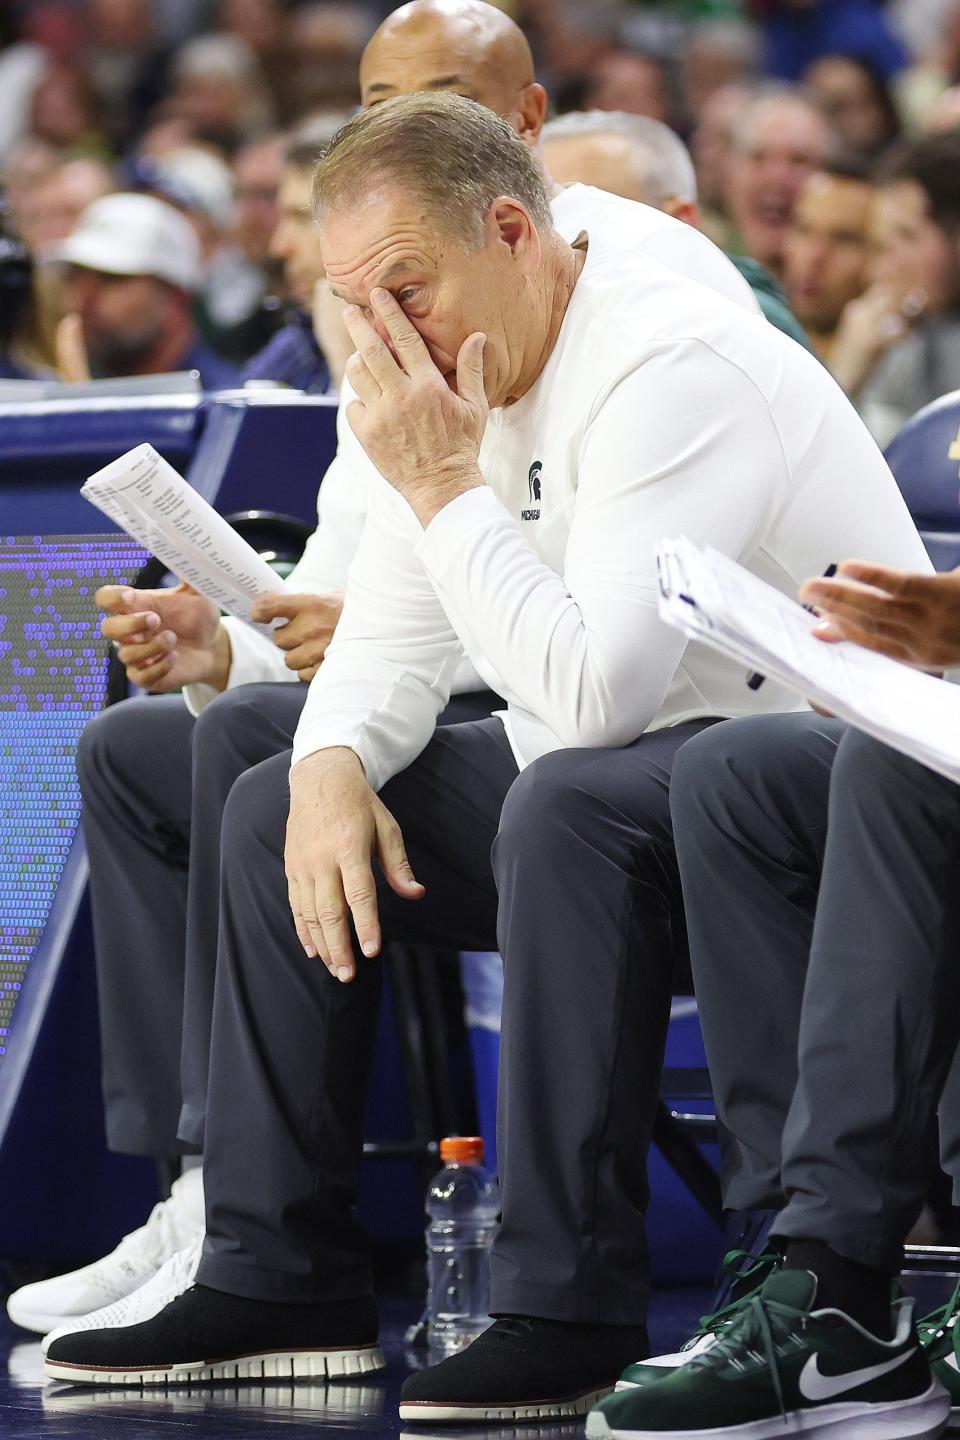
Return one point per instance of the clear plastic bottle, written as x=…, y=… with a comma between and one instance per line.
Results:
x=463, y=1203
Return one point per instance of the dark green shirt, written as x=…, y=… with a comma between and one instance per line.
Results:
x=771, y=298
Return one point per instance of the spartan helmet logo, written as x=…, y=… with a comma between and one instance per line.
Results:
x=533, y=480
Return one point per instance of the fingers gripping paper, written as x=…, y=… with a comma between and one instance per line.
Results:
x=146, y=497
x=713, y=599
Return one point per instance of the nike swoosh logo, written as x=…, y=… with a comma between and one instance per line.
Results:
x=951, y=1360
x=814, y=1385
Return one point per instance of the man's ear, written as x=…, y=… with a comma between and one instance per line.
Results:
x=510, y=223
x=686, y=210
x=530, y=112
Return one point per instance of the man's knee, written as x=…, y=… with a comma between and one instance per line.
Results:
x=573, y=803
x=738, y=766
x=113, y=745
x=870, y=775
x=255, y=814
x=544, y=802
x=708, y=770
x=227, y=718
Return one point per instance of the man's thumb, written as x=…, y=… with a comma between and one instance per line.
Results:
x=396, y=867
x=470, y=369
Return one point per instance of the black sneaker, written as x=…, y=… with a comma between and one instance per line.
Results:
x=207, y=1335
x=523, y=1369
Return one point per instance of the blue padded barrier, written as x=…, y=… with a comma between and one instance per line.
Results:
x=241, y=451
x=925, y=459
x=53, y=668
x=48, y=448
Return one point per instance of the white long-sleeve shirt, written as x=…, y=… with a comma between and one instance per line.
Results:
x=663, y=410
x=343, y=497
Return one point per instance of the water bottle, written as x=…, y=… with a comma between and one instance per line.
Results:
x=463, y=1203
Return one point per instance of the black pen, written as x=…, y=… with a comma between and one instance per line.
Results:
x=755, y=679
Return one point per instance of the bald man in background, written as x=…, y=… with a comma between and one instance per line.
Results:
x=153, y=833
x=470, y=47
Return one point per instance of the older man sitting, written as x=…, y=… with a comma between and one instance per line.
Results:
x=621, y=402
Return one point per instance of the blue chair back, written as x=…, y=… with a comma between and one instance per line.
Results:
x=925, y=459
x=265, y=450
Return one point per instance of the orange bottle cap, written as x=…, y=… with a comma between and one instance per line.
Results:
x=461, y=1149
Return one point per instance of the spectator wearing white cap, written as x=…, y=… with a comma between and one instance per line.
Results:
x=134, y=266
x=229, y=306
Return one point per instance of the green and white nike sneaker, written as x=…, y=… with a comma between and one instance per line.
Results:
x=940, y=1337
x=712, y=1326
x=784, y=1368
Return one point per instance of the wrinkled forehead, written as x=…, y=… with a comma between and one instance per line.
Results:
x=378, y=237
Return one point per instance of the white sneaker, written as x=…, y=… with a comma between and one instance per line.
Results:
x=172, y=1224
x=174, y=1276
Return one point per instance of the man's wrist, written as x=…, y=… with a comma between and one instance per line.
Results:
x=222, y=659
x=433, y=495
x=320, y=763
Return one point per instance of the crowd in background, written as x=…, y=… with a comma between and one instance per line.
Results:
x=825, y=138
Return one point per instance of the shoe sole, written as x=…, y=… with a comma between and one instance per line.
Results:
x=271, y=1365
x=921, y=1418
x=954, y=1421
x=442, y=1412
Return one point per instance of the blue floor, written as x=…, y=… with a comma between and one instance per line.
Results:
x=31, y=1406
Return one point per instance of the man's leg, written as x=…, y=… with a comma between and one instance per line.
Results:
x=749, y=801
x=881, y=1010
x=297, y=1044
x=286, y=1262
x=590, y=922
x=134, y=771
x=154, y=782
x=236, y=731
x=821, y=1347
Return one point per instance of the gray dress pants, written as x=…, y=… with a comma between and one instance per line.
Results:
x=154, y=782
x=821, y=878
x=588, y=918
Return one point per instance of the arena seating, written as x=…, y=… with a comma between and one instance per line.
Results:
x=925, y=458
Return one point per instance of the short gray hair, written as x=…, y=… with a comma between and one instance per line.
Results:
x=456, y=156
x=664, y=167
